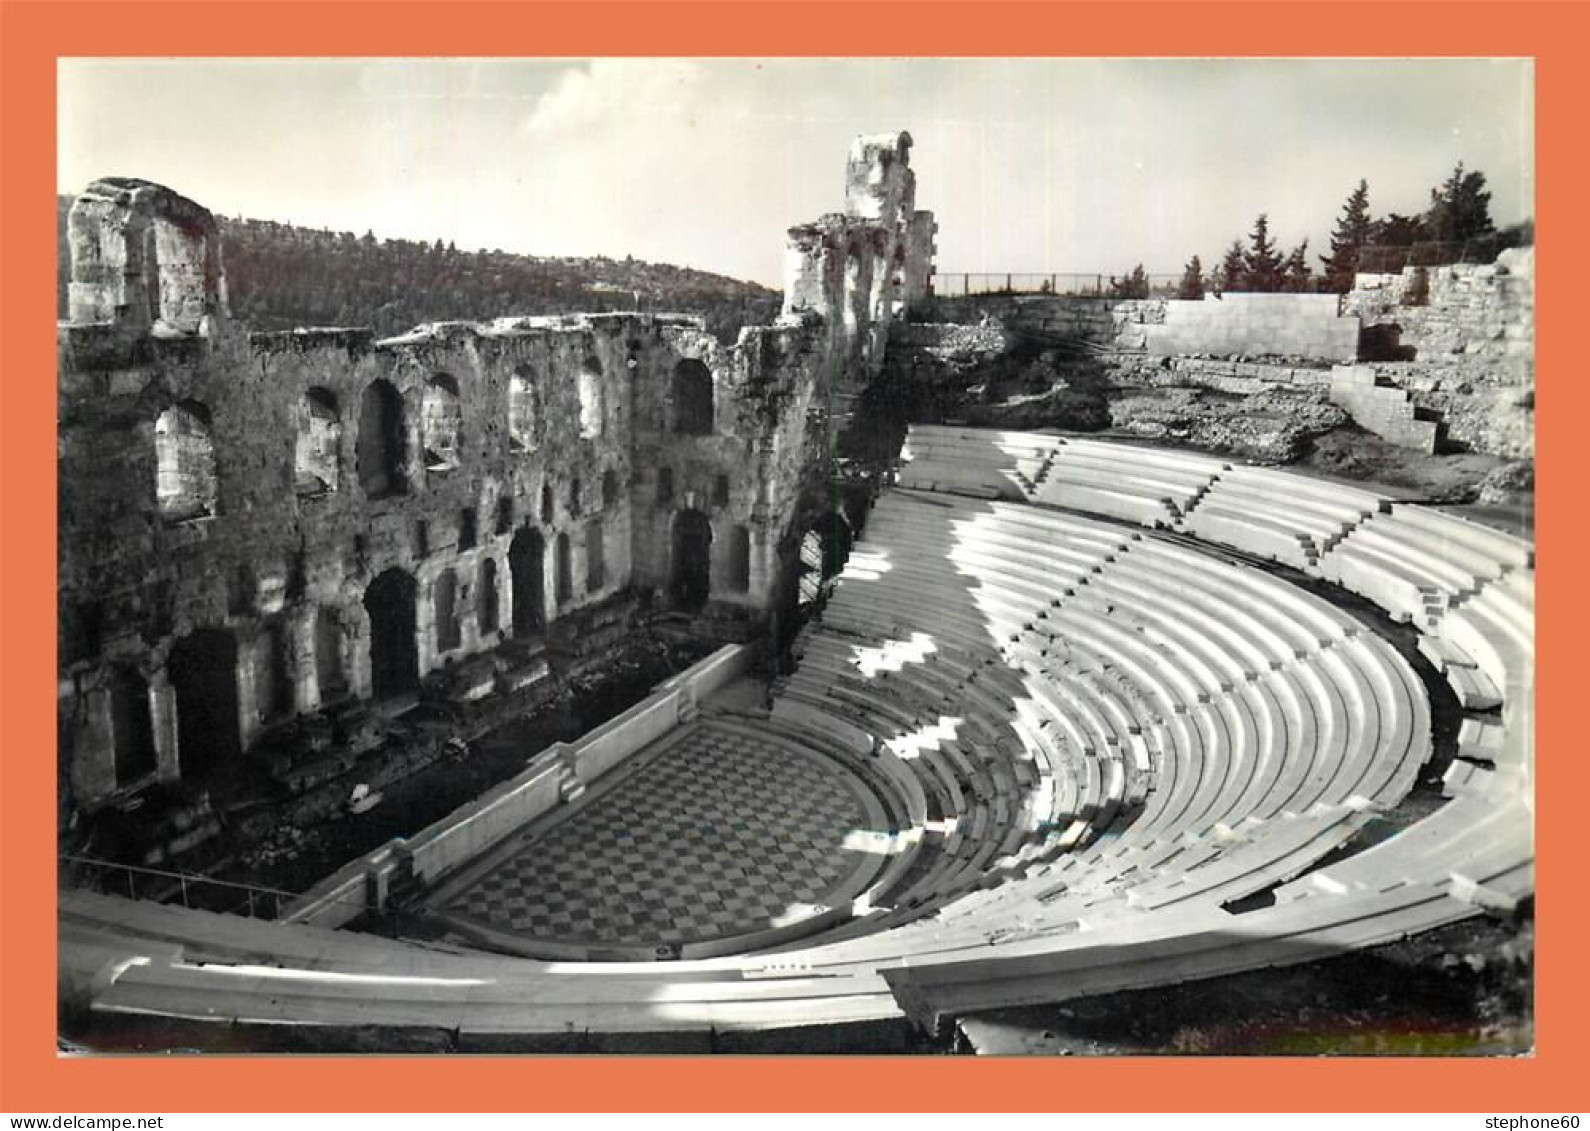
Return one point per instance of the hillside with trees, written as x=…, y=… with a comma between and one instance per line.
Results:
x=280, y=276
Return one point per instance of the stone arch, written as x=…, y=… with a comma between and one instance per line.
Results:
x=441, y=423
x=690, y=570
x=593, y=410
x=522, y=414
x=203, y=670
x=394, y=655
x=381, y=445
x=185, y=485
x=444, y=607
x=132, y=725
x=527, y=572
x=692, y=396
x=316, y=456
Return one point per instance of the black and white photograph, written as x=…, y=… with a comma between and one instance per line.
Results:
x=739, y=556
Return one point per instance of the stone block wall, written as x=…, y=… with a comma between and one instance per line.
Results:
x=1256, y=325
x=1381, y=408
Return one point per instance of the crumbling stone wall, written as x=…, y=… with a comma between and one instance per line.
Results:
x=1463, y=351
x=1484, y=310
x=345, y=517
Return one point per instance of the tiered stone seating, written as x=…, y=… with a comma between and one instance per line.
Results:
x=1283, y=517
x=1415, y=563
x=1142, y=485
x=1096, y=738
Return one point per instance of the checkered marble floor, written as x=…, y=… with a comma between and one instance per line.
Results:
x=715, y=834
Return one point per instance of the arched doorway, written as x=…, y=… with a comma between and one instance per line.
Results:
x=203, y=672
x=825, y=547
x=526, y=571
x=692, y=560
x=486, y=598
x=394, y=657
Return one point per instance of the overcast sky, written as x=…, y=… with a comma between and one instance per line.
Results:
x=1031, y=165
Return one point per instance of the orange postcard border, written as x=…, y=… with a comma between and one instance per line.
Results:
x=32, y=1078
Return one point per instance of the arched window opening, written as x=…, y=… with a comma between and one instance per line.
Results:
x=184, y=462
x=521, y=410
x=574, y=496
x=692, y=398
x=504, y=514
x=691, y=576
x=547, y=504
x=720, y=491
x=466, y=528
x=445, y=604
x=441, y=423
x=609, y=488
x=380, y=454
x=486, y=598
x=595, y=557
x=593, y=411
x=565, y=567
x=316, y=456
x=739, y=560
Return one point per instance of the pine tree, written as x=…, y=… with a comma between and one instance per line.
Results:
x=1263, y=263
x=1460, y=209
x=1192, y=280
x=1354, y=231
x=1132, y=285
x=1234, y=269
x=1295, y=273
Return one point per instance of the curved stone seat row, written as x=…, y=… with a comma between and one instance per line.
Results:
x=1097, y=740
x=1155, y=489
x=1199, y=716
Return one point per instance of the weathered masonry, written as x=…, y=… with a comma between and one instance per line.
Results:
x=255, y=526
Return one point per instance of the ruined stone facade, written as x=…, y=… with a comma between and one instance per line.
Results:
x=860, y=268
x=256, y=526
